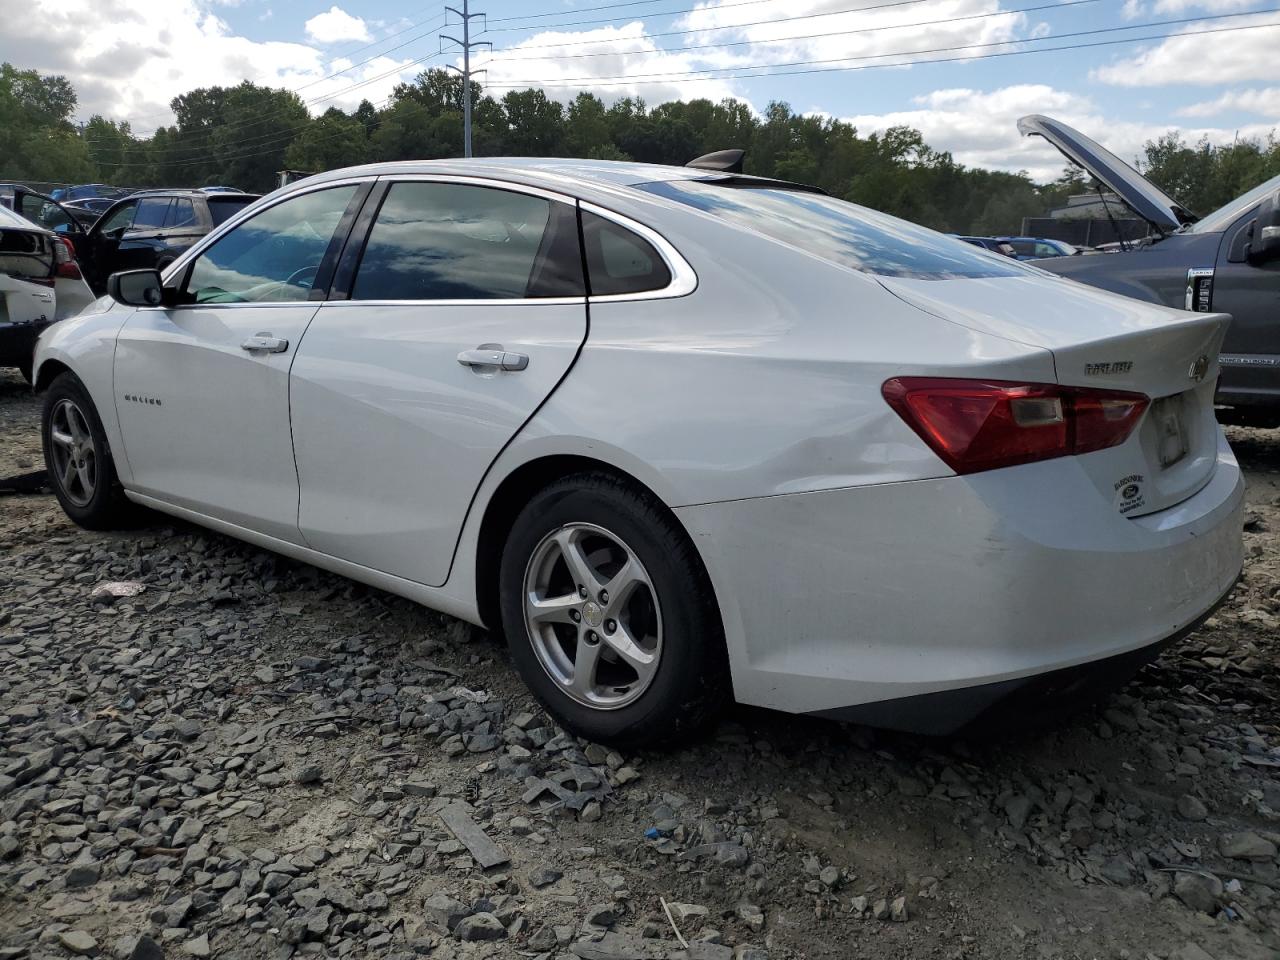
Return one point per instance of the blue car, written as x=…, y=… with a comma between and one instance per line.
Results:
x=1038, y=248
x=993, y=244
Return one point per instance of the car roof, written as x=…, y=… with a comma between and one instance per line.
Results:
x=182, y=192
x=576, y=176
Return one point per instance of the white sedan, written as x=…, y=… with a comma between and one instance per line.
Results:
x=683, y=435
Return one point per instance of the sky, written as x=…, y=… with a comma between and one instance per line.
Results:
x=1202, y=67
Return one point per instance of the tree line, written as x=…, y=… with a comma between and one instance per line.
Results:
x=242, y=135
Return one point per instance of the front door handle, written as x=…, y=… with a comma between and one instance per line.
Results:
x=266, y=343
x=492, y=355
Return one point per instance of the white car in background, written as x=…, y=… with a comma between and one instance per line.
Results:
x=39, y=284
x=681, y=434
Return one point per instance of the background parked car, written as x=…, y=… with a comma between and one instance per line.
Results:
x=988, y=243
x=88, y=210
x=147, y=229
x=1226, y=262
x=39, y=283
x=86, y=191
x=1038, y=248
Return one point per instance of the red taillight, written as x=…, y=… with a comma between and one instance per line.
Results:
x=64, y=259
x=984, y=424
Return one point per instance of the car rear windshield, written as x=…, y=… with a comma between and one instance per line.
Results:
x=26, y=254
x=838, y=231
x=223, y=209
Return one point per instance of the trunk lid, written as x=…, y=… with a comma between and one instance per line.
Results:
x=1107, y=342
x=1147, y=200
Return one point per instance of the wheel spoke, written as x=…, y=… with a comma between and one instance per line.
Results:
x=570, y=544
x=78, y=429
x=551, y=609
x=584, y=666
x=636, y=657
x=68, y=474
x=624, y=583
x=61, y=438
x=86, y=479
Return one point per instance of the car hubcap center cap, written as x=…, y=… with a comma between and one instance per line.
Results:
x=592, y=613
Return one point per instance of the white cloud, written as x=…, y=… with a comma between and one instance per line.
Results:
x=142, y=53
x=1193, y=56
x=830, y=30
x=980, y=129
x=611, y=62
x=1264, y=103
x=336, y=25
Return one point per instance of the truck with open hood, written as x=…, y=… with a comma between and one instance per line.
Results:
x=1227, y=262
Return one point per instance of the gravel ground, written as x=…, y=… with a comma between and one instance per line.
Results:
x=253, y=758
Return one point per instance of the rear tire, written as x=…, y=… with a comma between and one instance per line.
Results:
x=657, y=669
x=78, y=457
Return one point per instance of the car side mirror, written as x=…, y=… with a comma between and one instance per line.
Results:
x=137, y=288
x=1265, y=243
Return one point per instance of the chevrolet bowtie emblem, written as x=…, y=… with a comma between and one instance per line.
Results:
x=1198, y=368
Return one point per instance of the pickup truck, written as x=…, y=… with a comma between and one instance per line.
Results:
x=1228, y=261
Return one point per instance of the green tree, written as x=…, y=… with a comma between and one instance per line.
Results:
x=37, y=139
x=331, y=140
x=535, y=123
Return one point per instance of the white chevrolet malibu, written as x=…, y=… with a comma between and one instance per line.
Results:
x=683, y=435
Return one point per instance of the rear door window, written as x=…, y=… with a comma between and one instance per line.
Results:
x=151, y=213
x=181, y=214
x=453, y=241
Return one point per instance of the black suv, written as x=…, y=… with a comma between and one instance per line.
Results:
x=148, y=229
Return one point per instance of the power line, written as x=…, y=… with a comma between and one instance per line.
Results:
x=741, y=3
x=808, y=36
x=896, y=3
x=686, y=77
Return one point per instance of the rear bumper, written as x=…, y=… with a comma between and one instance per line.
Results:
x=998, y=705
x=943, y=596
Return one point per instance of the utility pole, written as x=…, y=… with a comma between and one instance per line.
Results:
x=466, y=43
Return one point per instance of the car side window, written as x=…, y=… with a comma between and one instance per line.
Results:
x=119, y=219
x=1046, y=250
x=619, y=261
x=452, y=241
x=181, y=214
x=151, y=213
x=273, y=257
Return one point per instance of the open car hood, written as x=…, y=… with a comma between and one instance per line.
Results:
x=1147, y=200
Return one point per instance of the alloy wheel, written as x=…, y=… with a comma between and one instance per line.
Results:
x=75, y=461
x=593, y=616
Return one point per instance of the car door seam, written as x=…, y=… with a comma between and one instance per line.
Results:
x=586, y=334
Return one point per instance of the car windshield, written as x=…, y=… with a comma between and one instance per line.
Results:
x=1227, y=214
x=837, y=231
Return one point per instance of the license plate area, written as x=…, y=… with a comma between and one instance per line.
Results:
x=1171, y=433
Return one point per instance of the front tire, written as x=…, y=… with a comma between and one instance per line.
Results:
x=609, y=613
x=78, y=457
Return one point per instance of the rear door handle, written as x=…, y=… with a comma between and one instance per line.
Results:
x=266, y=343
x=492, y=355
